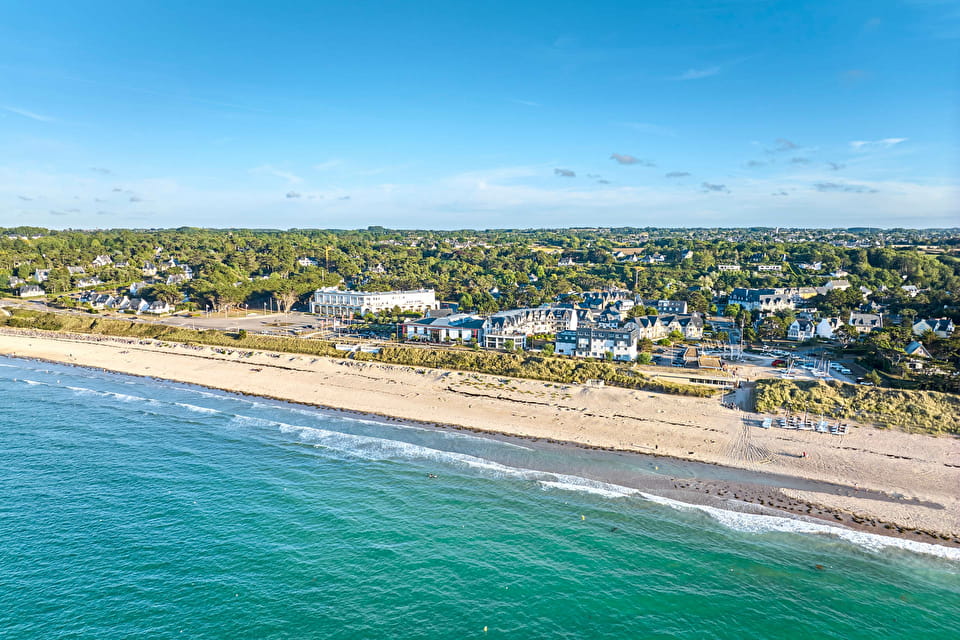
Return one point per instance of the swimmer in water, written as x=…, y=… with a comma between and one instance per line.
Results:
x=430, y=475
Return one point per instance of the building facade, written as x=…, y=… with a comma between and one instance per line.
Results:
x=458, y=326
x=763, y=299
x=587, y=342
x=330, y=301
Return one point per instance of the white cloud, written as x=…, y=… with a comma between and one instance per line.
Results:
x=329, y=164
x=496, y=197
x=28, y=114
x=269, y=170
x=870, y=145
x=697, y=74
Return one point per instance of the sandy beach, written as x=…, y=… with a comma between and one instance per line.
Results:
x=882, y=481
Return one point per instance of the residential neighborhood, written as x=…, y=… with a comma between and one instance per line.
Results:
x=649, y=288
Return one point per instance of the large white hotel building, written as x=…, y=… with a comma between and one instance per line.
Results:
x=330, y=301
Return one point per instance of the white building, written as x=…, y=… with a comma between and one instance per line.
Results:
x=458, y=326
x=865, y=322
x=159, y=307
x=330, y=301
x=801, y=330
x=827, y=327
x=587, y=342
x=763, y=299
x=30, y=291
x=671, y=306
x=942, y=327
x=83, y=283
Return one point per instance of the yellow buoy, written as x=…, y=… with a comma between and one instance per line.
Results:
x=484, y=629
x=582, y=517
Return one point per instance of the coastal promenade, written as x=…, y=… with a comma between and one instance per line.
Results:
x=882, y=480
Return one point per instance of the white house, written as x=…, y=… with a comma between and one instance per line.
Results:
x=728, y=267
x=763, y=299
x=458, y=326
x=135, y=305
x=837, y=285
x=801, y=330
x=159, y=307
x=98, y=300
x=41, y=275
x=865, y=322
x=84, y=283
x=671, y=306
x=102, y=261
x=30, y=291
x=942, y=327
x=827, y=327
x=120, y=303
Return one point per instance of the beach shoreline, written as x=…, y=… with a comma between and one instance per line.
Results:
x=862, y=481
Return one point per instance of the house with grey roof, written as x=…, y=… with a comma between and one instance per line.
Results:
x=942, y=327
x=456, y=326
x=30, y=291
x=801, y=330
x=671, y=306
x=762, y=299
x=865, y=322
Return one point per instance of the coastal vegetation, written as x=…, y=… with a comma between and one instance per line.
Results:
x=915, y=411
x=521, y=365
x=488, y=271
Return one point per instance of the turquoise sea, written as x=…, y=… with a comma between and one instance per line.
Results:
x=136, y=508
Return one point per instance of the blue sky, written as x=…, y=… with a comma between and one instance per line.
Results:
x=494, y=114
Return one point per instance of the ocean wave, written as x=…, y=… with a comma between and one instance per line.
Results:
x=197, y=409
x=374, y=448
x=602, y=489
x=759, y=523
x=379, y=448
x=123, y=397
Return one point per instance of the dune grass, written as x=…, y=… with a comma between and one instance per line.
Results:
x=908, y=410
x=519, y=365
